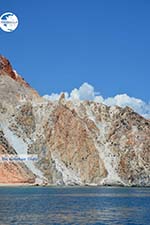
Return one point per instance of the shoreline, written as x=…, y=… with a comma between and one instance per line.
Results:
x=68, y=186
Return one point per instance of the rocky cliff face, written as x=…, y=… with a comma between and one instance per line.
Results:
x=77, y=143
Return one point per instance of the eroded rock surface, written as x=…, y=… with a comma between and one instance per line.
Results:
x=77, y=142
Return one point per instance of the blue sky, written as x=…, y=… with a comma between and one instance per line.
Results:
x=59, y=45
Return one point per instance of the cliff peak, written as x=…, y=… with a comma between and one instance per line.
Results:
x=14, y=87
x=6, y=68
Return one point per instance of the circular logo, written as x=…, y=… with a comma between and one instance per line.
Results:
x=8, y=22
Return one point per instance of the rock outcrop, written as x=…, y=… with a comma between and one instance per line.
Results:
x=76, y=143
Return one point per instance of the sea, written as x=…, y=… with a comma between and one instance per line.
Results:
x=74, y=205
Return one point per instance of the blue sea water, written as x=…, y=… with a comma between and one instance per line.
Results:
x=74, y=205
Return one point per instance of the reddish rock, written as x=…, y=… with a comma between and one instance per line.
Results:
x=7, y=70
x=14, y=85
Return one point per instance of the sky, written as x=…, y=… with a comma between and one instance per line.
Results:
x=62, y=45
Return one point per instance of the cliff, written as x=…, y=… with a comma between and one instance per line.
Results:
x=76, y=142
